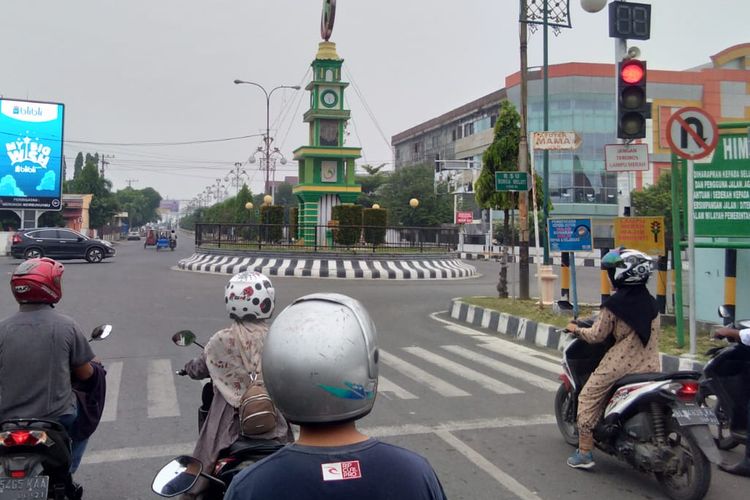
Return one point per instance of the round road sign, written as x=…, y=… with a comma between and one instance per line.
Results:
x=692, y=133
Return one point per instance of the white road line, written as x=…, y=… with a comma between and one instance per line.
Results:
x=440, y=386
x=114, y=376
x=162, y=394
x=170, y=450
x=513, y=371
x=458, y=369
x=385, y=385
x=520, y=353
x=501, y=477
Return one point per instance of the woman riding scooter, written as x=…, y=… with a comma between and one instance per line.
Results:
x=232, y=358
x=630, y=315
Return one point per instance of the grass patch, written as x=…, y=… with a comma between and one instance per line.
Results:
x=530, y=309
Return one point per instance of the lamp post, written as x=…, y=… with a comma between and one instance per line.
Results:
x=267, y=139
x=235, y=175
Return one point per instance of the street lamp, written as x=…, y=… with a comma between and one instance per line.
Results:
x=235, y=175
x=414, y=203
x=267, y=139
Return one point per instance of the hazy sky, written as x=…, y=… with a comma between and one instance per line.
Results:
x=161, y=71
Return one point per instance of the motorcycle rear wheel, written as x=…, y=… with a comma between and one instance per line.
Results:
x=565, y=415
x=693, y=478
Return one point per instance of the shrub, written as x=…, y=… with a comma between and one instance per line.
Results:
x=294, y=222
x=349, y=219
x=374, y=221
x=273, y=222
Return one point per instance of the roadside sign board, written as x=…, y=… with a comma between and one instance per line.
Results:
x=556, y=140
x=721, y=190
x=646, y=234
x=511, y=181
x=692, y=133
x=464, y=217
x=569, y=235
x=625, y=157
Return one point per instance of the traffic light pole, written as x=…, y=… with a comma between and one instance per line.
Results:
x=623, y=178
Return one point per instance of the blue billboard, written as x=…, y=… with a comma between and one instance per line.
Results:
x=31, y=154
x=569, y=235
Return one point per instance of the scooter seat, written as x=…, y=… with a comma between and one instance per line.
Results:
x=655, y=377
x=259, y=447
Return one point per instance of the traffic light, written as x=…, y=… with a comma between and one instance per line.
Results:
x=632, y=108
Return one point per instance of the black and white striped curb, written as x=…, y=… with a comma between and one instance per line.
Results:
x=539, y=334
x=348, y=268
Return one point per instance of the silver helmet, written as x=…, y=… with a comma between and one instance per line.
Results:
x=320, y=360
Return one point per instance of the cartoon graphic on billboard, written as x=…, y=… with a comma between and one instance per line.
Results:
x=31, y=147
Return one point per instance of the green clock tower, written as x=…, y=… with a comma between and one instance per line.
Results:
x=326, y=166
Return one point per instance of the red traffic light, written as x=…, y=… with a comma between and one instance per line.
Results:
x=632, y=72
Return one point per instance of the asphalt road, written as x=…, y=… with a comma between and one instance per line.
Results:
x=479, y=408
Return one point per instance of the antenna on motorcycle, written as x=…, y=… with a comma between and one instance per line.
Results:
x=184, y=338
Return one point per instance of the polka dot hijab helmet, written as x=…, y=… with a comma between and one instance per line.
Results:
x=249, y=295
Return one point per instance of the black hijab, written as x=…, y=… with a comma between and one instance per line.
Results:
x=636, y=307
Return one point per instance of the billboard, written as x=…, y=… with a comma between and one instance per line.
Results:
x=31, y=154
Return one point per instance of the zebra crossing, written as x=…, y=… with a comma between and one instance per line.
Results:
x=488, y=365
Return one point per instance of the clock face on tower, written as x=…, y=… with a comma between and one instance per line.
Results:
x=329, y=98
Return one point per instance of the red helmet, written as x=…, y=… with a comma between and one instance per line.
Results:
x=37, y=281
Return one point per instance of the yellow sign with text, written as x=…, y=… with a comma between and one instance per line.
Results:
x=642, y=233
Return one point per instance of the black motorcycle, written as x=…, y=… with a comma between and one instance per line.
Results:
x=724, y=387
x=35, y=455
x=181, y=474
x=651, y=421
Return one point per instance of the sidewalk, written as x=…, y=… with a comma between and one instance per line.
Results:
x=539, y=334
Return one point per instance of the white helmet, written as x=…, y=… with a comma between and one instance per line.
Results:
x=627, y=267
x=249, y=295
x=320, y=360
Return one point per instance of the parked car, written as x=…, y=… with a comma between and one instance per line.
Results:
x=59, y=243
x=134, y=235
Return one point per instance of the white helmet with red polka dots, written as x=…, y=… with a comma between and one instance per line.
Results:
x=249, y=295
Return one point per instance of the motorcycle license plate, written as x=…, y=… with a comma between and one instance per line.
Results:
x=695, y=415
x=26, y=488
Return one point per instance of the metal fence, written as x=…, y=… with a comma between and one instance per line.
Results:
x=316, y=238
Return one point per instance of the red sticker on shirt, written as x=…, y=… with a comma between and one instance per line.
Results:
x=339, y=471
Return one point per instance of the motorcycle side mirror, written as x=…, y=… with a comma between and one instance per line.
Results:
x=101, y=332
x=564, y=305
x=177, y=477
x=724, y=312
x=183, y=338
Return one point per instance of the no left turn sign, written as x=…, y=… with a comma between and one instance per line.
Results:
x=692, y=133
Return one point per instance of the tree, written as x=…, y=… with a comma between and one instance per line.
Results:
x=415, y=182
x=656, y=200
x=501, y=156
x=104, y=204
x=284, y=195
x=78, y=166
x=141, y=205
x=371, y=183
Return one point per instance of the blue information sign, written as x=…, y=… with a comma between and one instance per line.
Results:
x=31, y=154
x=570, y=235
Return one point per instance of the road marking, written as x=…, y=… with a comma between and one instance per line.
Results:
x=513, y=371
x=162, y=394
x=170, y=450
x=520, y=353
x=458, y=369
x=501, y=477
x=414, y=373
x=114, y=377
x=385, y=385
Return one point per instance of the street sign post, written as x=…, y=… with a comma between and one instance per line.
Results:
x=692, y=133
x=511, y=181
x=570, y=235
x=642, y=233
x=626, y=157
x=464, y=217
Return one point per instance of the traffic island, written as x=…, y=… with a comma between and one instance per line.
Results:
x=539, y=334
x=331, y=265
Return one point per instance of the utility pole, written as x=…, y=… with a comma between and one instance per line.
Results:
x=130, y=182
x=103, y=161
x=523, y=164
